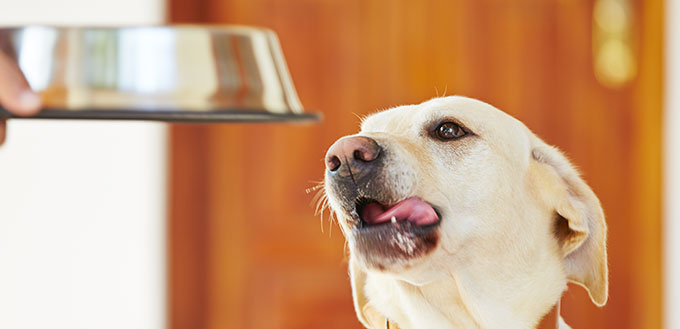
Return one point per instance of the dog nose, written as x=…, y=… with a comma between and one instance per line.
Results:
x=355, y=148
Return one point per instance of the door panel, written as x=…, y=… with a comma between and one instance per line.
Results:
x=246, y=250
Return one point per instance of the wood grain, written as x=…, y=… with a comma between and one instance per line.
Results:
x=245, y=248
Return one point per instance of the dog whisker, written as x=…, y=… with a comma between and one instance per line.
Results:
x=314, y=188
x=321, y=205
x=330, y=223
x=319, y=199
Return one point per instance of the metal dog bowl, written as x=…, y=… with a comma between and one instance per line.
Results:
x=175, y=73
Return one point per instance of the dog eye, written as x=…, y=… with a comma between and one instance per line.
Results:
x=449, y=130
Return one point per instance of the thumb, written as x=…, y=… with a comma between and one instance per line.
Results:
x=15, y=94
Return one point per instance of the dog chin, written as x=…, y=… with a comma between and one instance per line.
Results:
x=395, y=246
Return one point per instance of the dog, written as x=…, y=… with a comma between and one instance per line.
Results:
x=457, y=216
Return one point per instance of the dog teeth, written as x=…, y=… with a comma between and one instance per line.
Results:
x=393, y=219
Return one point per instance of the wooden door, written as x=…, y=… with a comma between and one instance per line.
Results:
x=246, y=250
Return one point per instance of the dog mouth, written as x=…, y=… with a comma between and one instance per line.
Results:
x=391, y=237
x=411, y=210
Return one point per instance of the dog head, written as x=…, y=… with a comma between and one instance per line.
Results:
x=455, y=183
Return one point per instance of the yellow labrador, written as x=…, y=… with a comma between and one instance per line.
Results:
x=458, y=216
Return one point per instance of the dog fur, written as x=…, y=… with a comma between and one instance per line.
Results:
x=517, y=222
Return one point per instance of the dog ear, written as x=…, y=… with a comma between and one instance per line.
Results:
x=580, y=228
x=367, y=315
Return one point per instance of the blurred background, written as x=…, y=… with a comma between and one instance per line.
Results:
x=145, y=225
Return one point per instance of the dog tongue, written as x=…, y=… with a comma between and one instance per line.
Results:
x=413, y=210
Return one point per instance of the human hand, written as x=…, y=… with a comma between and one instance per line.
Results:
x=16, y=95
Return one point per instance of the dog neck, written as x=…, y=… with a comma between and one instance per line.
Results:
x=549, y=321
x=460, y=300
x=447, y=309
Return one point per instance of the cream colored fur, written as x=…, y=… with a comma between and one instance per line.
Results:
x=500, y=261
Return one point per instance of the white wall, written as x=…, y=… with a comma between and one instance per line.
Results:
x=82, y=204
x=672, y=167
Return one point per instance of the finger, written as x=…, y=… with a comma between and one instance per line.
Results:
x=15, y=94
x=2, y=131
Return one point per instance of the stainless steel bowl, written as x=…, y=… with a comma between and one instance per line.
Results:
x=170, y=73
